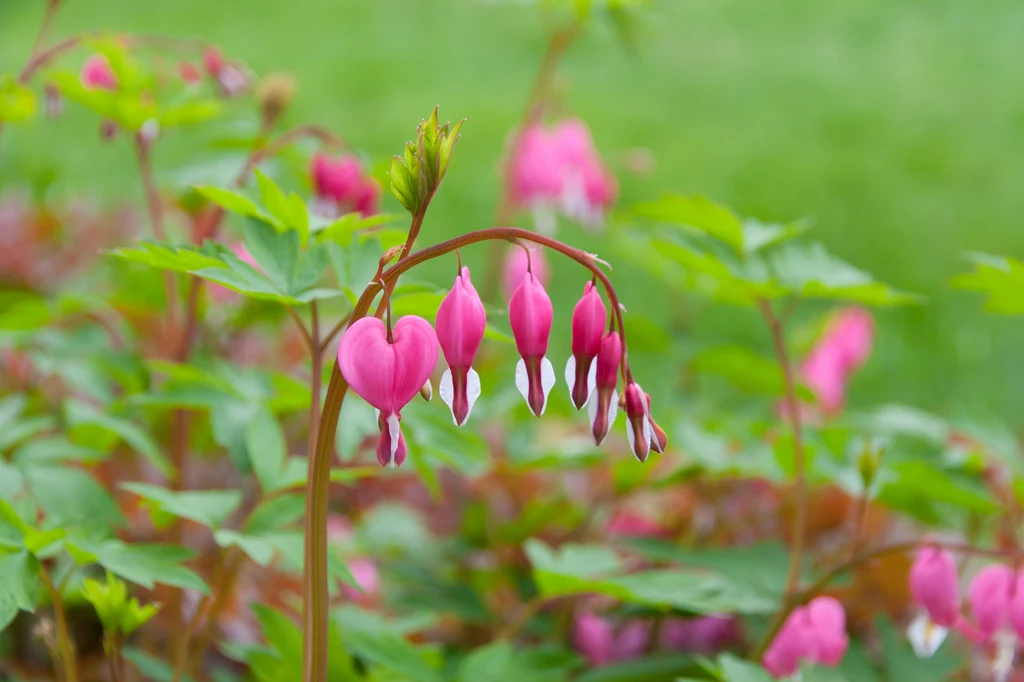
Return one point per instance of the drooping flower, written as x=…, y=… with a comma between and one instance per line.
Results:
x=842, y=349
x=603, y=407
x=516, y=262
x=638, y=430
x=815, y=634
x=461, y=321
x=631, y=524
x=934, y=587
x=342, y=186
x=530, y=315
x=588, y=321
x=97, y=73
x=367, y=577
x=558, y=168
x=705, y=635
x=991, y=599
x=387, y=370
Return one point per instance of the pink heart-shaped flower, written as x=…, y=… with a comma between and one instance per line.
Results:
x=388, y=375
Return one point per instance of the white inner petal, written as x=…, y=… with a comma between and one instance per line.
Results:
x=547, y=380
x=447, y=391
x=544, y=219
x=592, y=379
x=1002, y=664
x=570, y=374
x=523, y=380
x=395, y=431
x=925, y=636
x=630, y=437
x=473, y=391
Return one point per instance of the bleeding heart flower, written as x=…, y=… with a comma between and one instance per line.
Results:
x=842, y=349
x=516, y=263
x=97, y=74
x=659, y=439
x=588, y=321
x=815, y=633
x=461, y=321
x=387, y=371
x=934, y=586
x=603, y=407
x=530, y=315
x=991, y=596
x=342, y=186
x=638, y=430
x=230, y=77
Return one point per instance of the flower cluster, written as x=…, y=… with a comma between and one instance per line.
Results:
x=388, y=366
x=813, y=634
x=342, y=186
x=842, y=349
x=995, y=599
x=558, y=168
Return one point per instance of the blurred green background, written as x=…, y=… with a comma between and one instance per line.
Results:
x=896, y=125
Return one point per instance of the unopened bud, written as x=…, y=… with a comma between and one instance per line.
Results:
x=108, y=130
x=275, y=94
x=427, y=391
x=869, y=461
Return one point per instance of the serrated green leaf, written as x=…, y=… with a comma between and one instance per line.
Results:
x=148, y=564
x=70, y=496
x=238, y=203
x=1001, y=279
x=19, y=585
x=91, y=428
x=697, y=213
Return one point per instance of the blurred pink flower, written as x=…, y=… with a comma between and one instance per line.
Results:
x=516, y=262
x=815, y=633
x=342, y=186
x=189, y=72
x=97, y=74
x=558, y=168
x=230, y=77
x=597, y=639
x=935, y=588
x=366, y=575
x=843, y=348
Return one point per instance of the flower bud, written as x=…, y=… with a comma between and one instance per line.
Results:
x=342, y=186
x=275, y=93
x=638, y=430
x=588, y=321
x=189, y=72
x=934, y=587
x=603, y=407
x=989, y=598
x=461, y=321
x=530, y=314
x=108, y=130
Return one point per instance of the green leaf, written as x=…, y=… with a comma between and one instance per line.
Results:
x=738, y=670
x=495, y=661
x=19, y=585
x=177, y=259
x=267, y=448
x=37, y=542
x=259, y=549
x=355, y=266
x=101, y=430
x=70, y=496
x=151, y=668
x=24, y=429
x=698, y=213
x=17, y=102
x=188, y=114
x=392, y=652
x=1000, y=278
x=118, y=613
x=238, y=203
x=210, y=508
x=276, y=512
x=746, y=370
x=656, y=667
x=148, y=564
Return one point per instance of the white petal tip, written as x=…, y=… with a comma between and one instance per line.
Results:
x=925, y=637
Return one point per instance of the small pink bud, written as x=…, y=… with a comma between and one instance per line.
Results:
x=366, y=575
x=213, y=61
x=461, y=321
x=388, y=373
x=989, y=597
x=793, y=644
x=530, y=315
x=593, y=637
x=638, y=430
x=97, y=75
x=603, y=407
x=815, y=633
x=588, y=322
x=934, y=585
x=516, y=263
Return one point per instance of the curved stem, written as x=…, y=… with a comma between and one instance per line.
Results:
x=799, y=464
x=821, y=583
x=44, y=28
x=68, y=656
x=315, y=593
